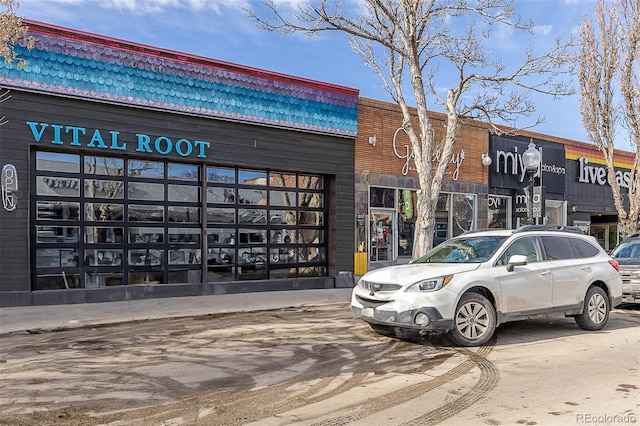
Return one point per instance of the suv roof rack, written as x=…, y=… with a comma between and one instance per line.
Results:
x=573, y=229
x=473, y=231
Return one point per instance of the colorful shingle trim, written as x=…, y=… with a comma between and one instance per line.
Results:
x=87, y=66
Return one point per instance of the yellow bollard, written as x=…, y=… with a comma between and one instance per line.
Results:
x=359, y=263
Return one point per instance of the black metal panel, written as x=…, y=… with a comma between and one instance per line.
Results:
x=230, y=143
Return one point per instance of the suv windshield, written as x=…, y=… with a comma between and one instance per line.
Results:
x=463, y=250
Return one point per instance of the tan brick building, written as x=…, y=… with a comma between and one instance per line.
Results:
x=475, y=194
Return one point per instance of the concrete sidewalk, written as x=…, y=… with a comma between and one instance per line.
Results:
x=33, y=318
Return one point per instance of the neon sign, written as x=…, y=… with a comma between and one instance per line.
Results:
x=9, y=187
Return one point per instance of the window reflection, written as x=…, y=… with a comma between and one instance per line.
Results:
x=311, y=218
x=310, y=199
x=56, y=258
x=103, y=212
x=252, y=196
x=58, y=210
x=146, y=235
x=499, y=212
x=103, y=257
x=57, y=186
x=185, y=257
x=146, y=191
x=221, y=236
x=287, y=180
x=57, y=234
x=221, y=195
x=310, y=182
x=183, y=172
x=219, y=215
x=184, y=193
x=282, y=236
x=157, y=205
x=184, y=214
x=140, y=213
x=252, y=236
x=56, y=162
x=94, y=188
x=145, y=277
x=282, y=198
x=145, y=257
x=254, y=216
x=103, y=235
x=221, y=175
x=252, y=177
x=145, y=169
x=103, y=166
x=382, y=197
x=311, y=236
x=184, y=236
x=462, y=214
x=282, y=217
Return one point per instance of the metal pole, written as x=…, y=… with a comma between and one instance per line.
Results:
x=530, y=220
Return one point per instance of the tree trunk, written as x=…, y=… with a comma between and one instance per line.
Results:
x=425, y=225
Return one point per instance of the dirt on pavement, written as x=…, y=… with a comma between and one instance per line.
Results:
x=226, y=369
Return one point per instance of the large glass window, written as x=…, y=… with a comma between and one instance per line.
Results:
x=393, y=211
x=103, y=221
x=499, y=212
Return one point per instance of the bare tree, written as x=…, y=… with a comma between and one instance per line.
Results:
x=406, y=42
x=11, y=31
x=609, y=76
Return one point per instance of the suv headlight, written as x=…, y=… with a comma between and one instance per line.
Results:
x=431, y=284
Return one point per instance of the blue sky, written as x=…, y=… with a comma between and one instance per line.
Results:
x=219, y=29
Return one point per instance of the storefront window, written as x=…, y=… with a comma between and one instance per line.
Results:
x=499, y=212
x=107, y=166
x=145, y=169
x=144, y=223
x=188, y=172
x=252, y=177
x=221, y=175
x=382, y=197
x=57, y=162
x=96, y=188
x=287, y=180
x=463, y=213
x=407, y=204
x=555, y=213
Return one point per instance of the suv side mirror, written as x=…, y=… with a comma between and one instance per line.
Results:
x=516, y=260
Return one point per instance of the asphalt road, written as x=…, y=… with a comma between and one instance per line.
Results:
x=317, y=365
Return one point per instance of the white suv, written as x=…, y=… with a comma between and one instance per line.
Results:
x=469, y=285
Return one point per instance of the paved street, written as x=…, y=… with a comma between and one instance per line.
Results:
x=312, y=363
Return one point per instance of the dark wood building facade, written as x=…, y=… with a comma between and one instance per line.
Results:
x=131, y=172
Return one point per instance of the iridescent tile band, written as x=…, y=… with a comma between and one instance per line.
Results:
x=86, y=66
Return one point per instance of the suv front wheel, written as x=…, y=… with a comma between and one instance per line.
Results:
x=474, y=321
x=596, y=310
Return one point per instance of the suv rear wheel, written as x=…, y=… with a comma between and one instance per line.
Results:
x=596, y=310
x=474, y=321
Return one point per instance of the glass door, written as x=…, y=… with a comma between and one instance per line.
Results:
x=381, y=226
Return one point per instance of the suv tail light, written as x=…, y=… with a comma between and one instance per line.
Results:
x=615, y=265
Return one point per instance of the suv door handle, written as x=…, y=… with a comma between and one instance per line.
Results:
x=586, y=268
x=546, y=272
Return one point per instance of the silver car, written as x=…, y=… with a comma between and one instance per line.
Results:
x=627, y=253
x=469, y=285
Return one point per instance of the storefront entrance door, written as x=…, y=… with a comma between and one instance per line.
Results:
x=381, y=226
x=606, y=234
